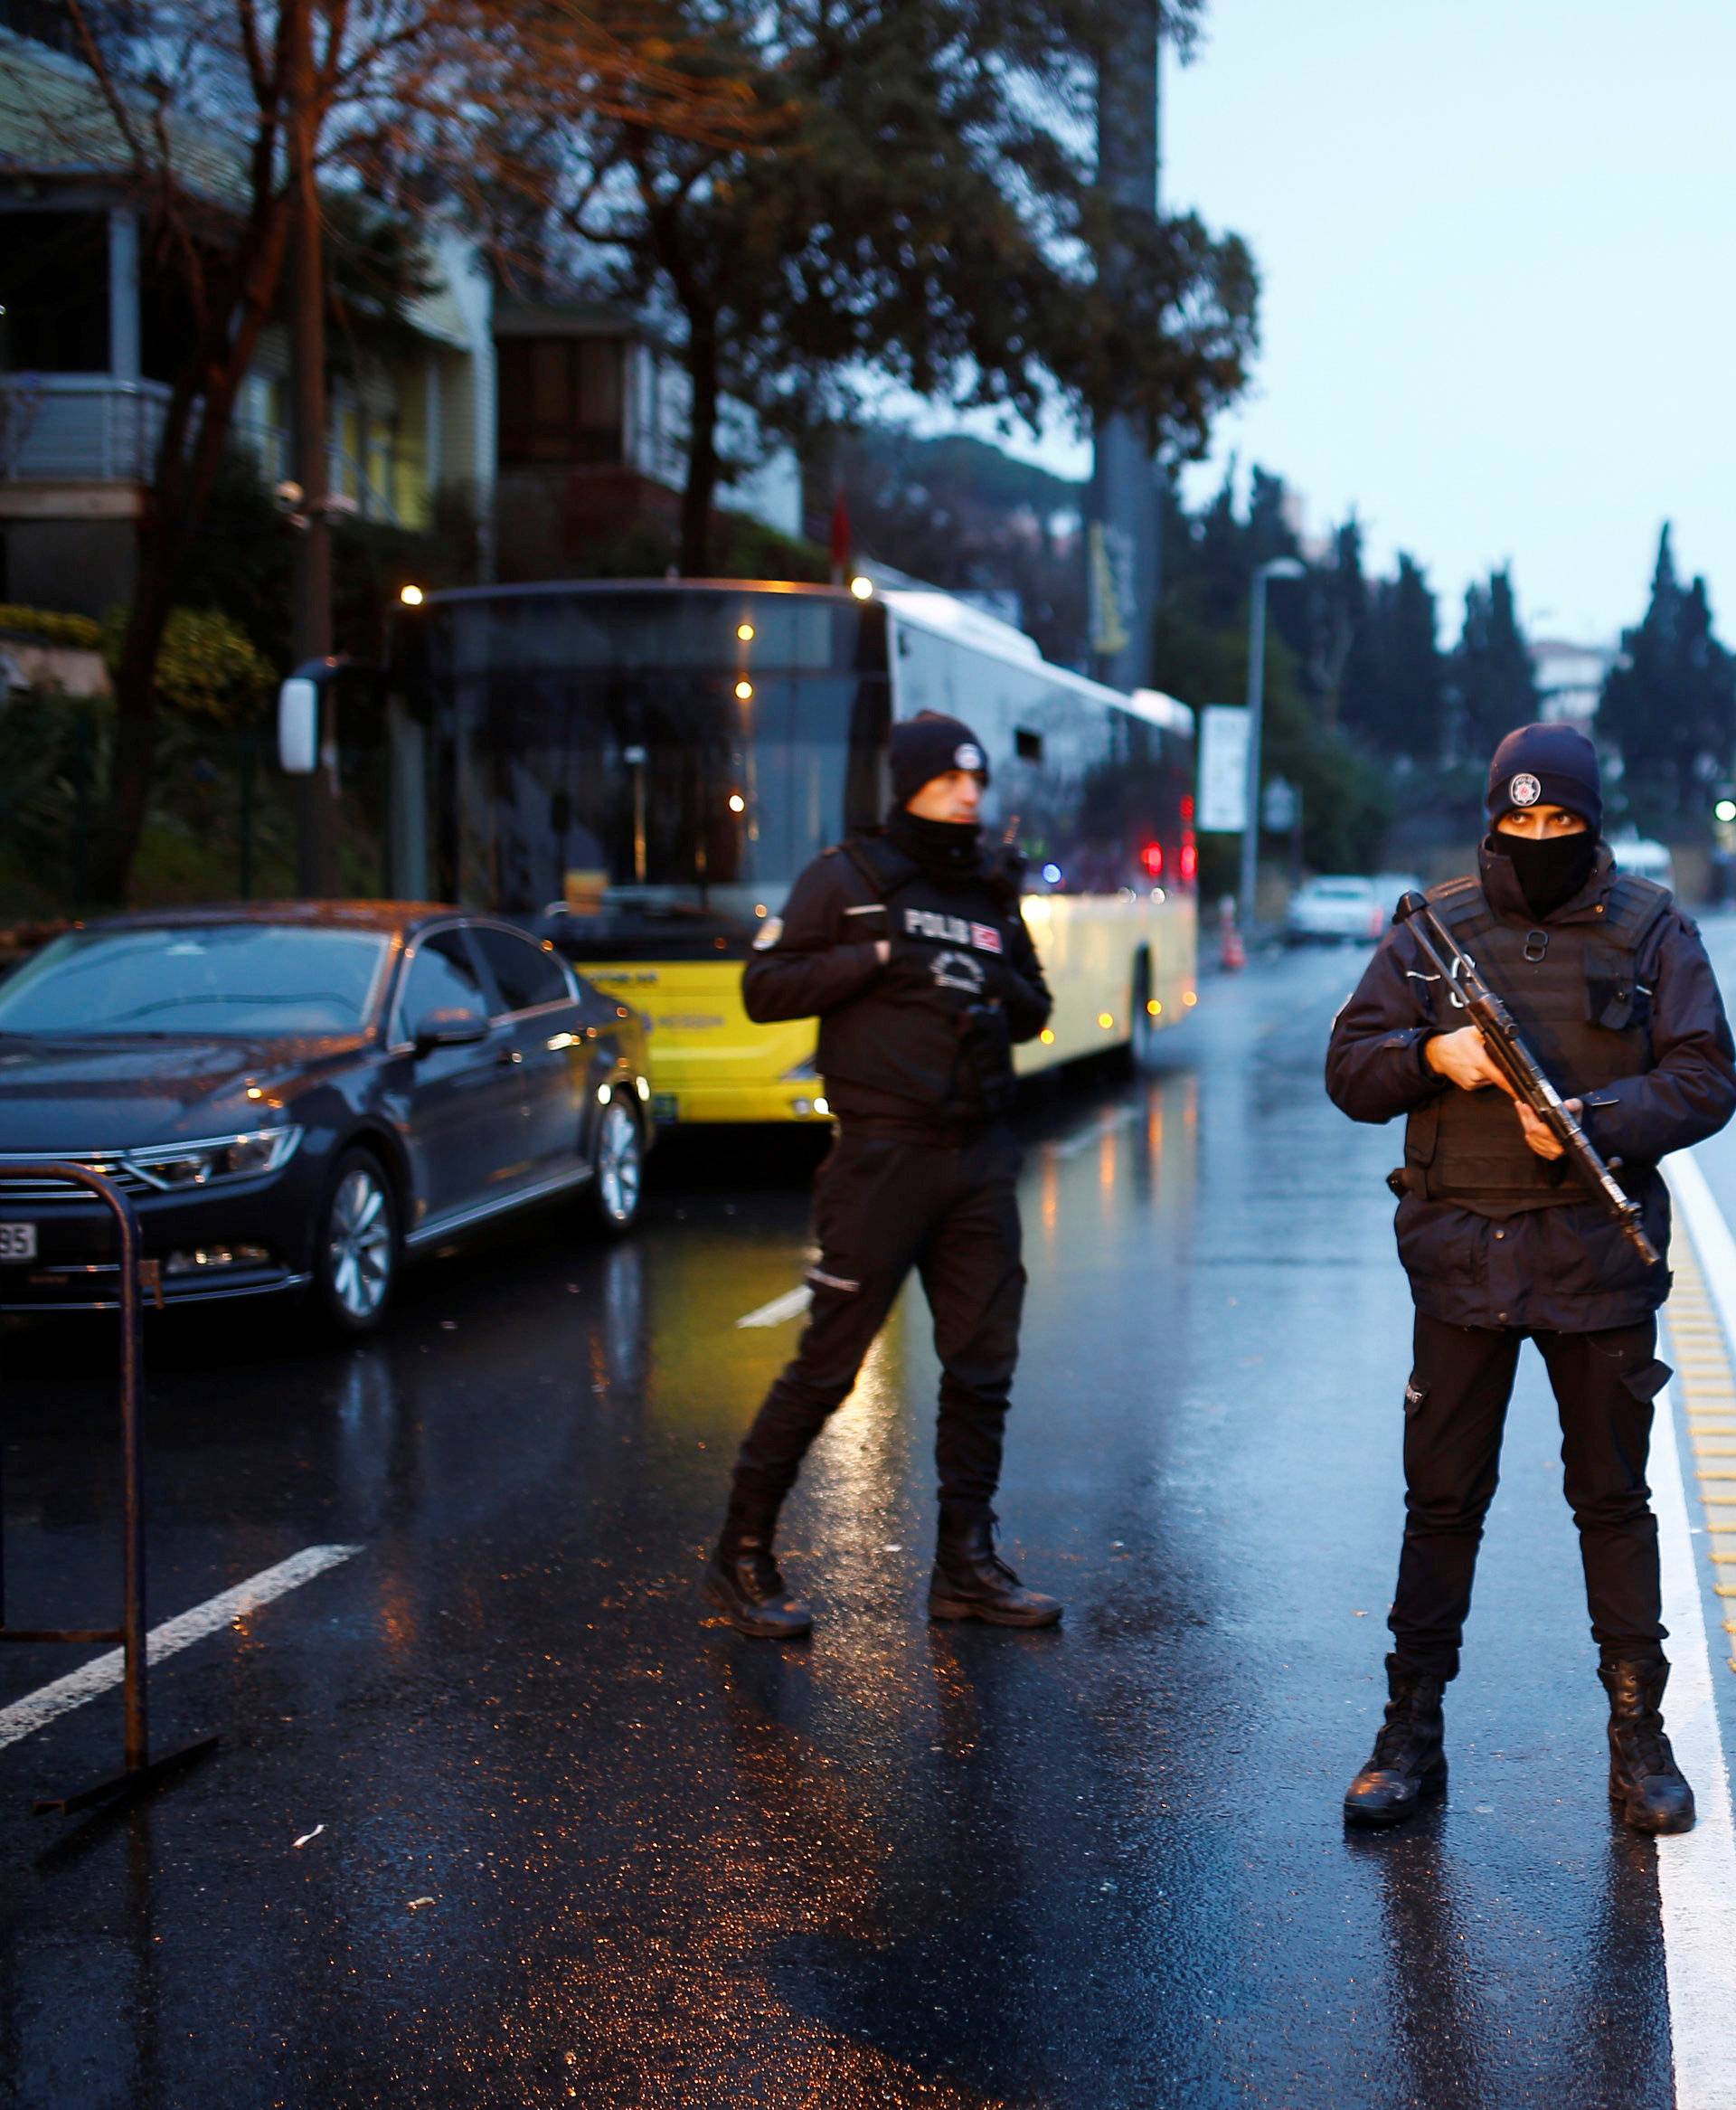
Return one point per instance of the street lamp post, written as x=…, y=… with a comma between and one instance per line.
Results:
x=1278, y=568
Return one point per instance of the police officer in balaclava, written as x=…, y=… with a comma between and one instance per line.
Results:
x=908, y=944
x=1611, y=990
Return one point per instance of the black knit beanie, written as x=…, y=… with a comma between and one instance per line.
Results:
x=929, y=745
x=1546, y=765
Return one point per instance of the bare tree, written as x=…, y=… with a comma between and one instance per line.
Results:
x=227, y=116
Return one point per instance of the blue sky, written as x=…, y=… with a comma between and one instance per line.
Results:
x=1499, y=279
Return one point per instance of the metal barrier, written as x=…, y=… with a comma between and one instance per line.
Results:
x=141, y=1771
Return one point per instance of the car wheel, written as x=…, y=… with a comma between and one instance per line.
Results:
x=617, y=1171
x=355, y=1257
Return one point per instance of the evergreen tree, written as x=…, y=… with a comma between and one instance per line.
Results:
x=1270, y=533
x=1402, y=700
x=1339, y=620
x=1669, y=703
x=1201, y=656
x=1224, y=559
x=1491, y=668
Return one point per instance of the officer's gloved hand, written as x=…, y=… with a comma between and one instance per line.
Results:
x=907, y=964
x=988, y=1049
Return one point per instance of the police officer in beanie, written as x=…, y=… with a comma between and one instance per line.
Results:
x=907, y=943
x=1610, y=986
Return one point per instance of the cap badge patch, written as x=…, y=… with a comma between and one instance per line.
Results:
x=1524, y=790
x=967, y=757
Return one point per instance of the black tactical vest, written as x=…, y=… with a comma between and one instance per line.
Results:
x=1579, y=1005
x=924, y=1032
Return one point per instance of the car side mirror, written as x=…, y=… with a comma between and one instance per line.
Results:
x=453, y=1027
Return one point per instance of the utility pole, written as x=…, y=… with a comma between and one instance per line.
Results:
x=311, y=591
x=1278, y=568
x=1122, y=542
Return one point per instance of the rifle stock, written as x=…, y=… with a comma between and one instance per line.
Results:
x=1524, y=1074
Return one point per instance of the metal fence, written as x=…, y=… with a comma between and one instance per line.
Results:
x=220, y=824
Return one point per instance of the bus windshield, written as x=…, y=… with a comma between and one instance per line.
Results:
x=650, y=756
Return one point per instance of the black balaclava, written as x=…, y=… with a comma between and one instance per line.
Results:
x=1550, y=869
x=944, y=850
x=1547, y=765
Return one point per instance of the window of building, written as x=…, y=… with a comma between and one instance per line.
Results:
x=560, y=401
x=54, y=288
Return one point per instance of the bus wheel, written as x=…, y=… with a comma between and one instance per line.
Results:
x=1143, y=1040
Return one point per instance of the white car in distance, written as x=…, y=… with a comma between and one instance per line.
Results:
x=1337, y=908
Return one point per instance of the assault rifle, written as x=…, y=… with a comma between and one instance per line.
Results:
x=1468, y=992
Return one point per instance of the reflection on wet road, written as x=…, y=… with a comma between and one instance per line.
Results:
x=578, y=1845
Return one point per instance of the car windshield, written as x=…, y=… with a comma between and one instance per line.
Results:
x=240, y=978
x=1341, y=889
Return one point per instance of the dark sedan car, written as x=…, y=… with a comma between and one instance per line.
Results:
x=298, y=1095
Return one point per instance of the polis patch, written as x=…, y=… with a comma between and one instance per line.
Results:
x=1524, y=790
x=921, y=922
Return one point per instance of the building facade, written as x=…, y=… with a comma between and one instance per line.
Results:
x=558, y=427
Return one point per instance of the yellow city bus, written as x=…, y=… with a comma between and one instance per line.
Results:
x=640, y=769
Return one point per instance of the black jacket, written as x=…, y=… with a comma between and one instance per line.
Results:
x=1558, y=1270
x=924, y=1041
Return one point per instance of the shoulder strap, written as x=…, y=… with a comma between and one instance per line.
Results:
x=1462, y=905
x=882, y=867
x=1634, y=908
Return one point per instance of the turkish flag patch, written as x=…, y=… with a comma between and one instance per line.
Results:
x=986, y=938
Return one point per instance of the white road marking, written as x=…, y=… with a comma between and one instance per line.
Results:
x=790, y=1305
x=38, y=1709
x=1696, y=1872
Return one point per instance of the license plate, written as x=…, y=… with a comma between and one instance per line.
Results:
x=17, y=1241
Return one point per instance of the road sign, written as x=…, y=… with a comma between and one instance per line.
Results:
x=1223, y=769
x=1279, y=805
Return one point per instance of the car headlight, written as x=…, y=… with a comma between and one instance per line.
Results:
x=173, y=1168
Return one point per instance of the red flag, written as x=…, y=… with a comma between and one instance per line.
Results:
x=840, y=539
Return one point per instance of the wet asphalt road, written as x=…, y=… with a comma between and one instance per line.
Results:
x=578, y=1845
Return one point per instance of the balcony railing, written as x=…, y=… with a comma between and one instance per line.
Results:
x=78, y=428
x=89, y=428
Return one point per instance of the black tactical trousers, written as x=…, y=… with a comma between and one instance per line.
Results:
x=1454, y=1409
x=882, y=1205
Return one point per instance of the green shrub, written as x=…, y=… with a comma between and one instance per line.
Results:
x=50, y=627
x=207, y=667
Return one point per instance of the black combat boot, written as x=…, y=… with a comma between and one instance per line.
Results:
x=742, y=1579
x=1408, y=1766
x=971, y=1581
x=1646, y=1784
